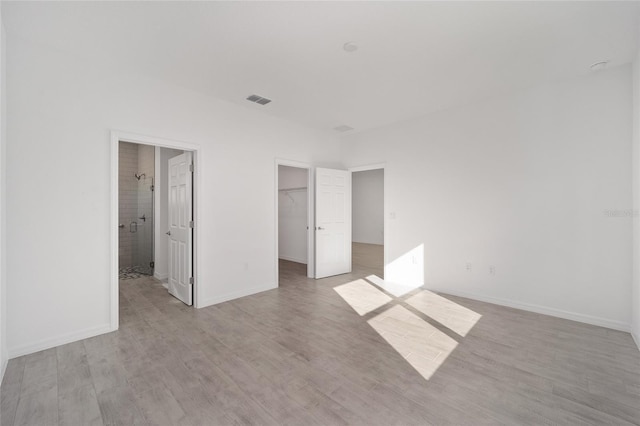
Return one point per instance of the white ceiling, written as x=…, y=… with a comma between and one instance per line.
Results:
x=414, y=58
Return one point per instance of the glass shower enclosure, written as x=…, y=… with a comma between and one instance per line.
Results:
x=142, y=228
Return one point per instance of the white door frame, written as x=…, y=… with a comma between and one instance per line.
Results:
x=116, y=138
x=310, y=216
x=378, y=166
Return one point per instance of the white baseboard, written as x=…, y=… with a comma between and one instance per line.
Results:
x=235, y=295
x=574, y=316
x=371, y=243
x=3, y=367
x=160, y=277
x=636, y=338
x=63, y=339
x=293, y=259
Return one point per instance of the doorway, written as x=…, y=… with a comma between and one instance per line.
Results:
x=294, y=244
x=368, y=220
x=141, y=181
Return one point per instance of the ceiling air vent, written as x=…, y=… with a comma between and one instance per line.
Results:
x=343, y=128
x=258, y=99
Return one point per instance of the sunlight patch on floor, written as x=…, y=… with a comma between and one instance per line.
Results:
x=424, y=346
x=420, y=343
x=453, y=316
x=391, y=287
x=362, y=296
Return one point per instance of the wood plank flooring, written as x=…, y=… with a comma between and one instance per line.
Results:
x=302, y=355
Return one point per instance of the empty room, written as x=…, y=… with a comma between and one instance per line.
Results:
x=319, y=213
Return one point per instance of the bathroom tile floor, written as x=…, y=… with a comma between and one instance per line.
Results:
x=132, y=272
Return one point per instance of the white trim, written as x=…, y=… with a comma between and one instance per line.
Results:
x=367, y=167
x=237, y=294
x=385, y=208
x=310, y=216
x=3, y=367
x=119, y=136
x=160, y=277
x=293, y=259
x=559, y=313
x=113, y=302
x=63, y=339
x=636, y=339
x=157, y=189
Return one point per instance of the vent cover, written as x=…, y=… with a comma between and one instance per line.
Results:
x=343, y=128
x=258, y=99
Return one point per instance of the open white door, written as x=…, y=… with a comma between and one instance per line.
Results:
x=181, y=227
x=333, y=222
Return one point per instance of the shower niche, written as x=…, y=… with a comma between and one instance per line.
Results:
x=136, y=210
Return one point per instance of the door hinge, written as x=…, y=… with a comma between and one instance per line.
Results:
x=153, y=188
x=191, y=280
x=190, y=224
x=191, y=168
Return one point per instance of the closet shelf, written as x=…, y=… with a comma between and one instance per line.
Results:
x=300, y=188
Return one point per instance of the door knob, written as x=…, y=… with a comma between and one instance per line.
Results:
x=320, y=228
x=168, y=232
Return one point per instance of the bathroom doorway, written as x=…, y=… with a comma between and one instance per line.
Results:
x=150, y=178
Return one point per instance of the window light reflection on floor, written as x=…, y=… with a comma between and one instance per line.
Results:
x=362, y=296
x=450, y=314
x=421, y=344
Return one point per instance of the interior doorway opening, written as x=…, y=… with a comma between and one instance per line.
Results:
x=151, y=207
x=293, y=219
x=153, y=195
x=368, y=220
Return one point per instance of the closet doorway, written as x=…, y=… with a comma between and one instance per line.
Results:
x=368, y=219
x=294, y=245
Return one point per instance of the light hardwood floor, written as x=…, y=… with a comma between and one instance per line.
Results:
x=325, y=352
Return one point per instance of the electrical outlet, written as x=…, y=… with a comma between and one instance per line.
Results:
x=246, y=266
x=492, y=270
x=392, y=215
x=468, y=266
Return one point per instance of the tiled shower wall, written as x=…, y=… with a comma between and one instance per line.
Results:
x=143, y=238
x=127, y=200
x=132, y=159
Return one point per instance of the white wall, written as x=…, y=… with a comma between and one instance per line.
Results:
x=58, y=104
x=161, y=241
x=292, y=214
x=368, y=206
x=522, y=183
x=3, y=217
x=635, y=161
